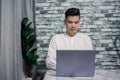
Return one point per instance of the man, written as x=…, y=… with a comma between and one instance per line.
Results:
x=70, y=40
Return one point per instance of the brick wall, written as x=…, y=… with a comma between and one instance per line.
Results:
x=100, y=19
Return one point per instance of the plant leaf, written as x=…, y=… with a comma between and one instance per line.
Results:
x=32, y=57
x=25, y=20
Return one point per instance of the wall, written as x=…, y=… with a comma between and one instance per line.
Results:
x=100, y=19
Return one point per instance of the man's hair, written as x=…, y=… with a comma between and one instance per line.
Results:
x=72, y=12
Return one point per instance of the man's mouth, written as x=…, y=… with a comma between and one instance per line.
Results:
x=72, y=29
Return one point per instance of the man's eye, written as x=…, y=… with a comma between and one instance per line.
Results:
x=76, y=22
x=69, y=22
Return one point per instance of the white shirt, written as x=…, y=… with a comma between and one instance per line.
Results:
x=64, y=42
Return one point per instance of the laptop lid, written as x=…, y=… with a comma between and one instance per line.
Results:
x=75, y=63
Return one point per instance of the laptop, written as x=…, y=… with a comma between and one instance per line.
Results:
x=75, y=63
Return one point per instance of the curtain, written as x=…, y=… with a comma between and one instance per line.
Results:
x=11, y=14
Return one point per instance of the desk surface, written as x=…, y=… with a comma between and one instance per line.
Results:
x=99, y=75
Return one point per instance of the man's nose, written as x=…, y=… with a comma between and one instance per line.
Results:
x=73, y=24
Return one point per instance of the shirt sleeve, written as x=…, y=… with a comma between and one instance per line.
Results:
x=89, y=43
x=51, y=56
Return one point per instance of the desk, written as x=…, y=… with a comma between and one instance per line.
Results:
x=99, y=75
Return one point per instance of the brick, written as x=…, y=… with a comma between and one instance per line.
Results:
x=43, y=12
x=37, y=8
x=37, y=1
x=56, y=15
x=38, y=45
x=116, y=15
x=118, y=18
x=106, y=30
x=39, y=16
x=41, y=26
x=42, y=4
x=88, y=0
x=57, y=8
x=106, y=41
x=47, y=15
x=110, y=0
x=112, y=52
x=65, y=4
x=51, y=1
x=45, y=37
x=87, y=30
x=79, y=0
x=100, y=48
x=112, y=19
x=107, y=63
x=98, y=22
x=109, y=48
x=61, y=1
x=52, y=11
x=69, y=0
x=48, y=8
x=99, y=56
x=43, y=45
x=106, y=7
x=99, y=15
x=37, y=12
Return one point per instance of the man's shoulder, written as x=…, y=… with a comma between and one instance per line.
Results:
x=58, y=35
x=83, y=35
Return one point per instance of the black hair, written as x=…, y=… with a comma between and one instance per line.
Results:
x=72, y=12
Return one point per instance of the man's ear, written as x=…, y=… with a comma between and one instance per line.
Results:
x=64, y=21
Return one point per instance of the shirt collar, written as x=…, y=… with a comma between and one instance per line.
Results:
x=70, y=36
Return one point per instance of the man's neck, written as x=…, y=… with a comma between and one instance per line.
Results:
x=71, y=34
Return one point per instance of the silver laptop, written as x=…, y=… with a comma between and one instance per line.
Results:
x=75, y=63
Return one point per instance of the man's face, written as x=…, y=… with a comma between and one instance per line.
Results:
x=72, y=23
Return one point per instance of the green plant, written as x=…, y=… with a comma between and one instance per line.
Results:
x=28, y=39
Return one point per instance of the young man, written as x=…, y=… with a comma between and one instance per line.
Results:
x=70, y=40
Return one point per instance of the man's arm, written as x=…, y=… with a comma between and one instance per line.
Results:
x=89, y=43
x=51, y=56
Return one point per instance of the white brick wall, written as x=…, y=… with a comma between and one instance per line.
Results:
x=100, y=19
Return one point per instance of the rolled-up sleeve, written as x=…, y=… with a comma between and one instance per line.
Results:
x=51, y=56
